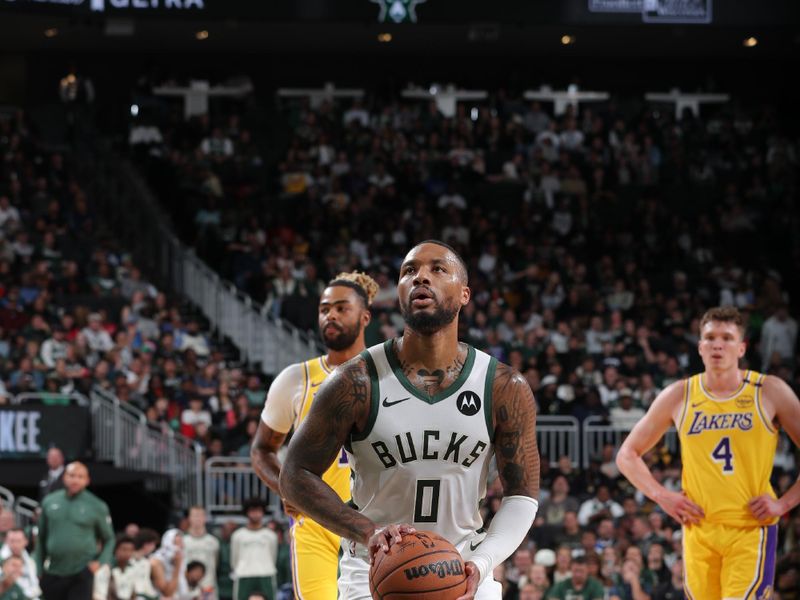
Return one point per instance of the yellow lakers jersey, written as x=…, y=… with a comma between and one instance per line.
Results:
x=338, y=474
x=727, y=449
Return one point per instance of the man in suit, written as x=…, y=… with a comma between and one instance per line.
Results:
x=54, y=478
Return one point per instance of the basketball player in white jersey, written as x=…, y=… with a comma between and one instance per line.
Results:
x=420, y=418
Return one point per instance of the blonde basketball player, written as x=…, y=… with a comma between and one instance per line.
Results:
x=727, y=421
x=343, y=315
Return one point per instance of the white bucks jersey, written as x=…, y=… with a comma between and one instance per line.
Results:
x=423, y=460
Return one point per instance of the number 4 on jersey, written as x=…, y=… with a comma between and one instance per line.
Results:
x=722, y=454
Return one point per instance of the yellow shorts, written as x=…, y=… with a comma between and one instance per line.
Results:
x=721, y=561
x=315, y=561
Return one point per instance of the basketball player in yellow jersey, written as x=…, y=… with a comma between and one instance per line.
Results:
x=343, y=315
x=727, y=421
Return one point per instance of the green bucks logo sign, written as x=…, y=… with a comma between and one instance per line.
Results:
x=398, y=11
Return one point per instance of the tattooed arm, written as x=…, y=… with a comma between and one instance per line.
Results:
x=518, y=463
x=340, y=406
x=516, y=449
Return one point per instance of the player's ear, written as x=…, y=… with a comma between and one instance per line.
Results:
x=366, y=317
x=466, y=294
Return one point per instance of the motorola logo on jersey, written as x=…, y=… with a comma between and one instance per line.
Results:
x=468, y=403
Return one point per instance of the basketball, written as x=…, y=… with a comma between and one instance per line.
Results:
x=422, y=565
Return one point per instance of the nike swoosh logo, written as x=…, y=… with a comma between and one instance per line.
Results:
x=316, y=384
x=473, y=546
x=387, y=404
x=699, y=404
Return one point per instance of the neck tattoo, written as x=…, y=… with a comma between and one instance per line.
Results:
x=432, y=381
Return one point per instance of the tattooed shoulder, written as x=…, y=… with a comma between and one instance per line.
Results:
x=509, y=390
x=345, y=393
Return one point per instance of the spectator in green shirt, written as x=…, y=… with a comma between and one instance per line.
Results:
x=580, y=585
x=73, y=524
x=12, y=571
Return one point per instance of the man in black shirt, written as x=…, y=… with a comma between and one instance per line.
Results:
x=672, y=589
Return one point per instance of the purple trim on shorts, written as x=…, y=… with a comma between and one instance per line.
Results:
x=769, y=561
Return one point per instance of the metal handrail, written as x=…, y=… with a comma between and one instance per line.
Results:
x=229, y=481
x=6, y=498
x=260, y=337
x=25, y=509
x=597, y=432
x=125, y=437
x=558, y=436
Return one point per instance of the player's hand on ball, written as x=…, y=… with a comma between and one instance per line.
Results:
x=384, y=537
x=765, y=507
x=472, y=580
x=679, y=507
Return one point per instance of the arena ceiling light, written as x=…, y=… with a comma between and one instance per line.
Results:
x=384, y=38
x=50, y=32
x=201, y=35
x=750, y=42
x=567, y=40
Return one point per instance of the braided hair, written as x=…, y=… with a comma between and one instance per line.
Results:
x=364, y=285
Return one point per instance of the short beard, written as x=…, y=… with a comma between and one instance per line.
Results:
x=429, y=323
x=343, y=339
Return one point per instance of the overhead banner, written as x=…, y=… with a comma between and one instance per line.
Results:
x=28, y=431
x=112, y=5
x=689, y=12
x=616, y=6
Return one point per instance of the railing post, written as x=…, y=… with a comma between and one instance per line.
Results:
x=198, y=460
x=117, y=432
x=207, y=476
x=144, y=450
x=173, y=472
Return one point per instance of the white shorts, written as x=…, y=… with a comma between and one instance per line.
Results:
x=354, y=581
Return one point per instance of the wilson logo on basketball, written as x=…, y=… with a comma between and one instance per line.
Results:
x=441, y=569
